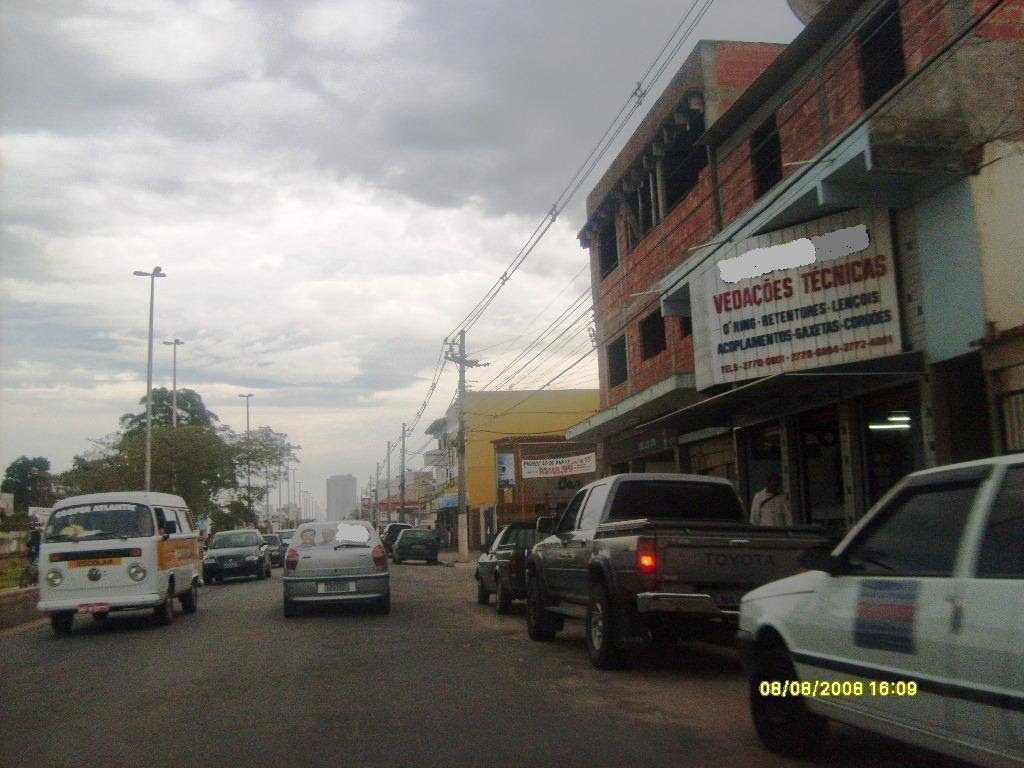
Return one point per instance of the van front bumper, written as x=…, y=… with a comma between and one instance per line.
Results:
x=114, y=603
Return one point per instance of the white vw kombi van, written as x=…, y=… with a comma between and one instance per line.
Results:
x=118, y=551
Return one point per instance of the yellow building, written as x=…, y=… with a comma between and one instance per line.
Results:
x=491, y=416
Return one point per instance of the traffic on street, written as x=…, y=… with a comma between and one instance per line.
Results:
x=440, y=681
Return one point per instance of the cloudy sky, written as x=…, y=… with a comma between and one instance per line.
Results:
x=331, y=188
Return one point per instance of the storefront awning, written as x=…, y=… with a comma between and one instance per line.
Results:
x=775, y=396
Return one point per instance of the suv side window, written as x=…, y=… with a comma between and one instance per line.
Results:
x=568, y=519
x=595, y=506
x=1002, y=548
x=918, y=534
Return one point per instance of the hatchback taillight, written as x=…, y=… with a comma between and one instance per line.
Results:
x=646, y=556
x=380, y=557
x=291, y=560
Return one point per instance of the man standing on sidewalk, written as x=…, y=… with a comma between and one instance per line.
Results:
x=770, y=505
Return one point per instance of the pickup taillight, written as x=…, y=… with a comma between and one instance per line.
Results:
x=291, y=560
x=513, y=565
x=646, y=556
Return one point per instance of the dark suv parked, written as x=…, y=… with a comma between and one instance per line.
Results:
x=236, y=553
x=415, y=544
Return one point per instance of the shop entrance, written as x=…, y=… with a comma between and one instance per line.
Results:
x=821, y=462
x=763, y=457
x=893, y=445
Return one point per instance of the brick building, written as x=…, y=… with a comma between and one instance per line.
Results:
x=820, y=276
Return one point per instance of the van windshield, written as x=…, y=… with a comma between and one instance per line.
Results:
x=116, y=520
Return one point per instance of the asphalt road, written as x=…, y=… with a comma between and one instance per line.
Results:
x=441, y=681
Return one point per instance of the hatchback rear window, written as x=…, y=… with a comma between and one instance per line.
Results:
x=417, y=536
x=332, y=534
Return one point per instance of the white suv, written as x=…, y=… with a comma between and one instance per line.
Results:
x=913, y=626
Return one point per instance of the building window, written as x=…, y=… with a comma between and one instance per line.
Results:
x=766, y=156
x=617, y=370
x=652, y=334
x=683, y=162
x=881, y=52
x=607, y=247
x=686, y=326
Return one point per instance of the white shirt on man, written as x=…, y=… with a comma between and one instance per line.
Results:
x=769, y=508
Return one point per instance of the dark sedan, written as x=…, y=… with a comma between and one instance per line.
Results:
x=236, y=553
x=277, y=549
x=415, y=544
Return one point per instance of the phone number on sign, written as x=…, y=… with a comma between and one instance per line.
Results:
x=808, y=354
x=836, y=688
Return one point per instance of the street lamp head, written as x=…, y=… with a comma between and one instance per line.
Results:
x=250, y=394
x=175, y=343
x=155, y=273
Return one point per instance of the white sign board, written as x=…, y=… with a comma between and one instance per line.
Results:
x=570, y=465
x=837, y=305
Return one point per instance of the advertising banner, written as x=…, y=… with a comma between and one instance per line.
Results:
x=506, y=470
x=819, y=294
x=570, y=465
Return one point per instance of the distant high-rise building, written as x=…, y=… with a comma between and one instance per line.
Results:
x=342, y=497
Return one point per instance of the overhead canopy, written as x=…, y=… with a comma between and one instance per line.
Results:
x=783, y=393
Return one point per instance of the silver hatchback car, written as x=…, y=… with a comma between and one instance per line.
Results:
x=336, y=562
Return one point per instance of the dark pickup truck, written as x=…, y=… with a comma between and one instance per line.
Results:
x=642, y=555
x=501, y=569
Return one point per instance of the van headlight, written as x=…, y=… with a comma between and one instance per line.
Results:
x=54, y=578
x=136, y=572
x=251, y=558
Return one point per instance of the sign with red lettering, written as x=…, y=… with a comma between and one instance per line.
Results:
x=814, y=295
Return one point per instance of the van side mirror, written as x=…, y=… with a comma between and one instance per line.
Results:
x=546, y=524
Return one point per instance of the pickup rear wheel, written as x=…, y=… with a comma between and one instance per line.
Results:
x=784, y=724
x=601, y=631
x=540, y=624
x=504, y=597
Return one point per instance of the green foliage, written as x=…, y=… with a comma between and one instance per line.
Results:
x=200, y=461
x=191, y=412
x=30, y=482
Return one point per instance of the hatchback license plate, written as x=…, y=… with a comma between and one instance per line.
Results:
x=335, y=586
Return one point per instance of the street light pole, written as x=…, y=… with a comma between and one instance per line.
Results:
x=174, y=381
x=248, y=449
x=149, y=371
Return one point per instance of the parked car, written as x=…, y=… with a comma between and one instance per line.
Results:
x=236, y=553
x=391, y=531
x=912, y=626
x=277, y=549
x=635, y=555
x=336, y=563
x=415, y=544
x=501, y=567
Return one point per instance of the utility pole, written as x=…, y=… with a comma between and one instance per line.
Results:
x=401, y=481
x=376, y=497
x=388, y=459
x=459, y=359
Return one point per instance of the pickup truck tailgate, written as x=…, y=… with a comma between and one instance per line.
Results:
x=744, y=559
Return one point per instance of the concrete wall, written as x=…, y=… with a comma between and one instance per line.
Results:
x=18, y=606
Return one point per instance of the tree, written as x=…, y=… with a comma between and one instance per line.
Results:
x=260, y=455
x=30, y=482
x=191, y=412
